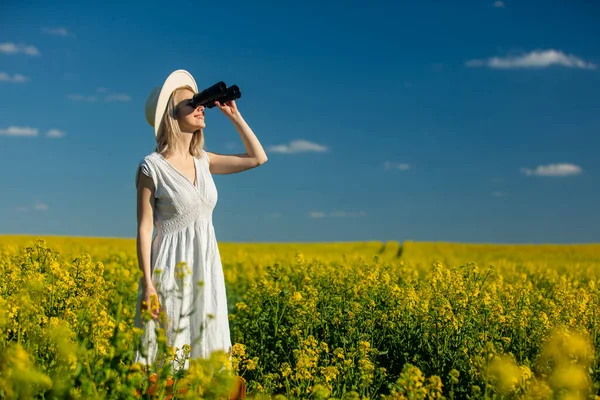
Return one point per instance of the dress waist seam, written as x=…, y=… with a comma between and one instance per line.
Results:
x=184, y=219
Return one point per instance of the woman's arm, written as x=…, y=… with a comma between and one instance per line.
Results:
x=231, y=163
x=145, y=220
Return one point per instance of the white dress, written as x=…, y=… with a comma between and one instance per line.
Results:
x=197, y=315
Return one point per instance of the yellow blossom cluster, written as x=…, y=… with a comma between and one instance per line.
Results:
x=339, y=320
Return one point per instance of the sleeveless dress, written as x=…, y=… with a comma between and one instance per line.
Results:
x=185, y=264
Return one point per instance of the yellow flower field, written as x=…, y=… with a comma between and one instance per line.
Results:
x=333, y=320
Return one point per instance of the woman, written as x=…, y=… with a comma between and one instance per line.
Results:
x=176, y=195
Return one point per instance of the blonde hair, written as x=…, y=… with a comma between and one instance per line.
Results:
x=169, y=131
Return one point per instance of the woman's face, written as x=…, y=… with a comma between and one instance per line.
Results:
x=190, y=119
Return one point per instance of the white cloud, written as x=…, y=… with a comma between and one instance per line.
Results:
x=16, y=78
x=499, y=4
x=92, y=98
x=400, y=166
x=12, y=48
x=55, y=133
x=316, y=214
x=560, y=169
x=533, y=59
x=19, y=131
x=336, y=214
x=117, y=97
x=29, y=131
x=297, y=146
x=57, y=31
x=39, y=206
x=79, y=97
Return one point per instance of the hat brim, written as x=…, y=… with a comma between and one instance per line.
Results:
x=176, y=79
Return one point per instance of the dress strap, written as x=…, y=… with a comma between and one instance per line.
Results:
x=205, y=156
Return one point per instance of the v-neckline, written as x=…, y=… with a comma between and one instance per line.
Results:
x=194, y=185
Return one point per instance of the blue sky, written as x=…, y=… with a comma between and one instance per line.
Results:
x=476, y=121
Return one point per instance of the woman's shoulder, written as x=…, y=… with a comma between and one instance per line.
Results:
x=150, y=157
x=203, y=155
x=150, y=163
x=149, y=167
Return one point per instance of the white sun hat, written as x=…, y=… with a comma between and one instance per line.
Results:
x=156, y=104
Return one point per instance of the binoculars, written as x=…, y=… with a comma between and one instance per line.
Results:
x=217, y=92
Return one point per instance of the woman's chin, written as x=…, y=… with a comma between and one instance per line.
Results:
x=195, y=127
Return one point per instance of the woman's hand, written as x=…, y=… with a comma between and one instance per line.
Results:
x=150, y=298
x=229, y=109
